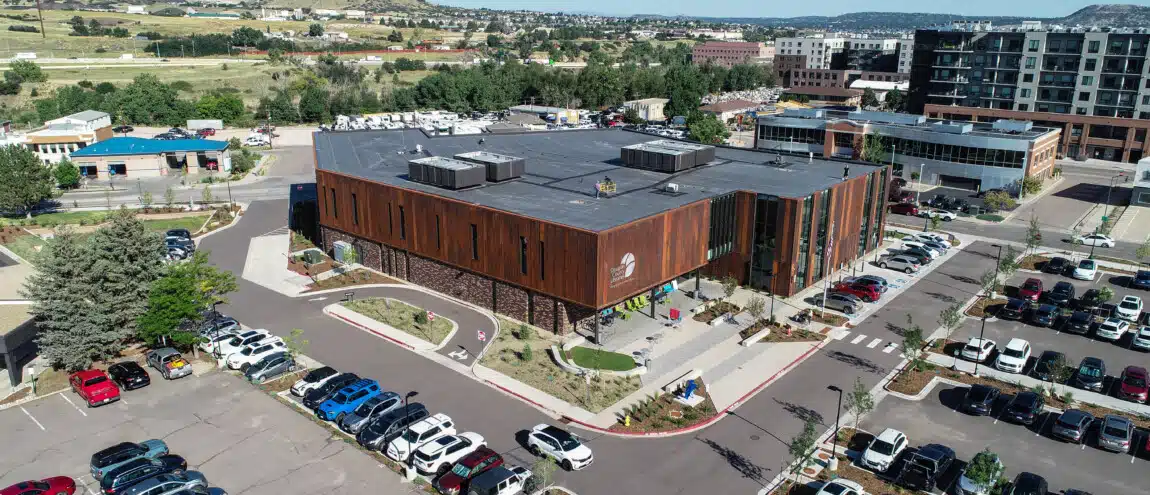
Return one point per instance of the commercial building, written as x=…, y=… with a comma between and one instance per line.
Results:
x=726, y=110
x=649, y=109
x=965, y=155
x=59, y=138
x=557, y=115
x=838, y=60
x=832, y=78
x=824, y=95
x=728, y=53
x=1093, y=83
x=551, y=228
x=1141, y=194
x=881, y=88
x=138, y=157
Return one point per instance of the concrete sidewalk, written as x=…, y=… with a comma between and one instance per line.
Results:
x=266, y=265
x=1134, y=226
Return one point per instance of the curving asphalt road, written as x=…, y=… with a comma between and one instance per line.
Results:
x=739, y=454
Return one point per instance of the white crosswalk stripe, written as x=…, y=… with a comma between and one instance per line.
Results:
x=841, y=333
x=858, y=339
x=873, y=343
x=889, y=347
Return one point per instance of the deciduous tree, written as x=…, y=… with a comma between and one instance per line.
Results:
x=984, y=470
x=708, y=130
x=24, y=180
x=859, y=401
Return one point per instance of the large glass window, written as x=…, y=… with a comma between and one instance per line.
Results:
x=722, y=234
x=804, y=243
x=880, y=206
x=866, y=214
x=821, y=238
x=792, y=134
x=765, y=241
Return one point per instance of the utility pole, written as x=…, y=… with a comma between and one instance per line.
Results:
x=43, y=34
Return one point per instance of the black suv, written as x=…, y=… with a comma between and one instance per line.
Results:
x=1028, y=484
x=923, y=468
x=1044, y=369
x=1044, y=316
x=1078, y=323
x=1024, y=408
x=316, y=397
x=1013, y=309
x=1141, y=280
x=1058, y=266
x=1090, y=300
x=1091, y=374
x=980, y=399
x=1061, y=294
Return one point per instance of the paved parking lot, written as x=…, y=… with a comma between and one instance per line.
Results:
x=243, y=440
x=1064, y=465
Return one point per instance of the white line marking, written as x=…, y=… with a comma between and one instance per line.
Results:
x=1083, y=445
x=889, y=347
x=858, y=339
x=318, y=298
x=65, y=397
x=42, y=428
x=874, y=343
x=841, y=334
x=90, y=492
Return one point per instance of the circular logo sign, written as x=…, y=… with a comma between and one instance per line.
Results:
x=628, y=263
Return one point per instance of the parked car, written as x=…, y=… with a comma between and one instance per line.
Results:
x=867, y=293
x=169, y=363
x=312, y=379
x=56, y=485
x=94, y=387
x=884, y=450
x=904, y=209
x=1044, y=368
x=1133, y=384
x=1115, y=433
x=1013, y=357
x=367, y=412
x=967, y=486
x=944, y=215
x=926, y=256
x=270, y=367
x=1112, y=329
x=386, y=428
x=1030, y=289
x=1130, y=308
x=880, y=284
x=179, y=233
x=129, y=375
x=1097, y=240
x=419, y=433
x=205, y=132
x=560, y=445
x=123, y=129
x=1091, y=373
x=319, y=394
x=923, y=468
x=1078, y=322
x=347, y=399
x=977, y=349
x=1044, y=315
x=1029, y=484
x=1061, y=294
x=187, y=245
x=503, y=480
x=437, y=456
x=841, y=486
x=237, y=343
x=1014, y=309
x=920, y=257
x=1024, y=408
x=215, y=339
x=1072, y=425
x=1090, y=300
x=169, y=484
x=140, y=469
x=254, y=352
x=1141, y=280
x=941, y=247
x=838, y=302
x=457, y=480
x=905, y=264
x=1141, y=339
x=931, y=237
x=914, y=244
x=980, y=399
x=1058, y=266
x=113, y=457
x=1086, y=270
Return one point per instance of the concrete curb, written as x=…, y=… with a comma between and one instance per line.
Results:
x=31, y=399
x=233, y=223
x=7, y=252
x=397, y=335
x=361, y=327
x=718, y=416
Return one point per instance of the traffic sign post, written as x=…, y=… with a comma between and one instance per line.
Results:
x=481, y=335
x=430, y=316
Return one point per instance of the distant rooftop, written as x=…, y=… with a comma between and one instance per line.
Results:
x=87, y=115
x=1006, y=129
x=562, y=168
x=141, y=146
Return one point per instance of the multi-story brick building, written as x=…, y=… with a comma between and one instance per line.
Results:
x=728, y=53
x=838, y=60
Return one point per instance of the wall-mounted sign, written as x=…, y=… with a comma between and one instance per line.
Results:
x=623, y=271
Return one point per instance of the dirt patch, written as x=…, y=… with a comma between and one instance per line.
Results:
x=985, y=307
x=828, y=318
x=17, y=395
x=284, y=382
x=351, y=279
x=1033, y=262
x=715, y=311
x=663, y=413
x=795, y=335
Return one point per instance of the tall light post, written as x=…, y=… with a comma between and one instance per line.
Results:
x=981, y=334
x=834, y=463
x=997, y=262
x=918, y=190
x=409, y=395
x=216, y=327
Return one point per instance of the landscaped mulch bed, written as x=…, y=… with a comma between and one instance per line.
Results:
x=310, y=270
x=984, y=307
x=1033, y=262
x=828, y=318
x=715, y=311
x=283, y=382
x=797, y=335
x=19, y=394
x=870, y=482
x=352, y=278
x=655, y=414
x=299, y=243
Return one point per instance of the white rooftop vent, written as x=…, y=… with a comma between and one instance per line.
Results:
x=671, y=187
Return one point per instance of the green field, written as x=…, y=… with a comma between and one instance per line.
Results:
x=25, y=246
x=602, y=360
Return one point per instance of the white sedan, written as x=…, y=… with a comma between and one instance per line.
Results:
x=841, y=487
x=253, y=353
x=943, y=215
x=1098, y=240
x=1086, y=270
x=977, y=349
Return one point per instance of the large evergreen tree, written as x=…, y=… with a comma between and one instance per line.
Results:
x=62, y=304
x=124, y=259
x=24, y=180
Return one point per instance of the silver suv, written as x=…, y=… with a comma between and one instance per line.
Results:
x=845, y=303
x=166, y=484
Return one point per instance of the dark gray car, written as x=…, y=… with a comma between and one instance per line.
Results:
x=270, y=367
x=166, y=484
x=138, y=470
x=368, y=411
x=390, y=426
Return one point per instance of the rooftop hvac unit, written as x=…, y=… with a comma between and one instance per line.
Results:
x=666, y=156
x=445, y=172
x=499, y=167
x=1013, y=126
x=952, y=127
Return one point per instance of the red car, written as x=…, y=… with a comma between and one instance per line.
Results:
x=94, y=387
x=868, y=293
x=904, y=209
x=456, y=480
x=1134, y=384
x=205, y=132
x=1030, y=290
x=56, y=485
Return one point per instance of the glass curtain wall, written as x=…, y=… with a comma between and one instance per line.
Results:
x=765, y=241
x=804, y=243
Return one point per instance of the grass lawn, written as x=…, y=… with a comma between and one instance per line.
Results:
x=193, y=223
x=506, y=355
x=601, y=360
x=25, y=246
x=402, y=317
x=73, y=217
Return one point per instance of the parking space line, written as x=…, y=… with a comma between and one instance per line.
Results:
x=65, y=397
x=874, y=343
x=858, y=339
x=26, y=413
x=889, y=347
x=1044, y=423
x=89, y=489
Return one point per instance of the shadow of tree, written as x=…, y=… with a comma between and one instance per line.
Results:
x=941, y=297
x=856, y=362
x=962, y=278
x=895, y=329
x=802, y=412
x=739, y=462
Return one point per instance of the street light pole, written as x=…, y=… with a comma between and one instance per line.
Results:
x=918, y=190
x=216, y=327
x=997, y=262
x=981, y=334
x=834, y=462
x=406, y=411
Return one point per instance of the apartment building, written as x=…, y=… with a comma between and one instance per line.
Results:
x=1092, y=83
x=838, y=60
x=728, y=53
x=60, y=137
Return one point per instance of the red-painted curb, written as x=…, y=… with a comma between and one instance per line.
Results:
x=519, y=396
x=393, y=339
x=708, y=422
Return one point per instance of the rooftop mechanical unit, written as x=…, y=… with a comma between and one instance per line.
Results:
x=1012, y=126
x=499, y=167
x=446, y=172
x=666, y=155
x=947, y=127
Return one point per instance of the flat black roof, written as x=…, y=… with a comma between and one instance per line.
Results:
x=562, y=168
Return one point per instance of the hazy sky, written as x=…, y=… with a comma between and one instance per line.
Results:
x=784, y=8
